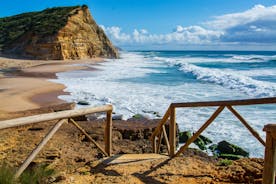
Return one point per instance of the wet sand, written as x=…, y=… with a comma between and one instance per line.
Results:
x=24, y=84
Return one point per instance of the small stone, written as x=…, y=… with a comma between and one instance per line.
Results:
x=82, y=102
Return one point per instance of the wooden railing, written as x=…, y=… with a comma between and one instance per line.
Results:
x=62, y=117
x=270, y=154
x=160, y=132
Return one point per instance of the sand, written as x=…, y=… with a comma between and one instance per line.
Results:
x=24, y=84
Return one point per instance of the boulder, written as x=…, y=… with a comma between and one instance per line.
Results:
x=225, y=147
x=117, y=117
x=82, y=102
x=184, y=136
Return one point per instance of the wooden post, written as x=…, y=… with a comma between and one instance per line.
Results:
x=88, y=136
x=172, y=134
x=108, y=133
x=31, y=157
x=154, y=144
x=160, y=137
x=166, y=138
x=204, y=126
x=242, y=120
x=270, y=155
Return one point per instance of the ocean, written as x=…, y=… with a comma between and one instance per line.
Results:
x=144, y=82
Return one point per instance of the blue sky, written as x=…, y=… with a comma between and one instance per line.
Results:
x=175, y=24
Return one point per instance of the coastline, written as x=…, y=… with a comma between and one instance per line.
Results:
x=25, y=85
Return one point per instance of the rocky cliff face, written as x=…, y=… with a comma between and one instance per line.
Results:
x=59, y=33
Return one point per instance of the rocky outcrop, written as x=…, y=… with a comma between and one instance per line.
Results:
x=56, y=33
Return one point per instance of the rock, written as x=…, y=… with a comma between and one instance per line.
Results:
x=201, y=141
x=184, y=136
x=117, y=117
x=35, y=129
x=205, y=139
x=138, y=116
x=230, y=156
x=225, y=147
x=82, y=102
x=153, y=112
x=55, y=33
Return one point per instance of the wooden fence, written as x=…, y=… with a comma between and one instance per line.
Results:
x=170, y=114
x=270, y=154
x=62, y=117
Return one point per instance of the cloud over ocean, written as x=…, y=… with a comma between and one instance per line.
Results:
x=254, y=28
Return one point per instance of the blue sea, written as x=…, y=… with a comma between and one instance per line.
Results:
x=146, y=81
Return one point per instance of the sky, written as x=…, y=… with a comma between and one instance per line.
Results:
x=174, y=24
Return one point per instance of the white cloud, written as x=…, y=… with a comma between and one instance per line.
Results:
x=257, y=13
x=256, y=25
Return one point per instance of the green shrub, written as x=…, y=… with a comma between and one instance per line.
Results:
x=224, y=162
x=36, y=175
x=6, y=174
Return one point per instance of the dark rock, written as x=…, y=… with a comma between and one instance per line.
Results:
x=35, y=129
x=138, y=116
x=205, y=139
x=79, y=159
x=117, y=117
x=60, y=178
x=202, y=142
x=230, y=156
x=82, y=102
x=184, y=136
x=80, y=118
x=213, y=148
x=225, y=147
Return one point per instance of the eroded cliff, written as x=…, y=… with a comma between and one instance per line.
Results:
x=55, y=33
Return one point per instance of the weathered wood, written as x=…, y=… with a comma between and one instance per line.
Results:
x=172, y=134
x=162, y=122
x=242, y=120
x=270, y=128
x=52, y=116
x=154, y=147
x=31, y=157
x=108, y=133
x=202, y=128
x=160, y=137
x=88, y=136
x=166, y=138
x=269, y=160
x=225, y=103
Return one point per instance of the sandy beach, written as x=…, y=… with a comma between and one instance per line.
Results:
x=24, y=84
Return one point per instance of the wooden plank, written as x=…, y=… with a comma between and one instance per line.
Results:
x=162, y=122
x=242, y=120
x=38, y=148
x=270, y=127
x=166, y=138
x=108, y=133
x=52, y=116
x=160, y=137
x=154, y=150
x=202, y=128
x=172, y=134
x=225, y=103
x=269, y=160
x=88, y=136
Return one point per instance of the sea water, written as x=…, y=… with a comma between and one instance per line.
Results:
x=149, y=81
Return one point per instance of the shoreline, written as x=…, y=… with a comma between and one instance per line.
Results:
x=25, y=85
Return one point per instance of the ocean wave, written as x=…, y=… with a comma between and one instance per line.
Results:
x=222, y=59
x=227, y=78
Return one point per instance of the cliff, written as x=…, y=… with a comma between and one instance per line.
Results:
x=55, y=33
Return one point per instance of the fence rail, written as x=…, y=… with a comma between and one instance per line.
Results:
x=62, y=117
x=170, y=115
